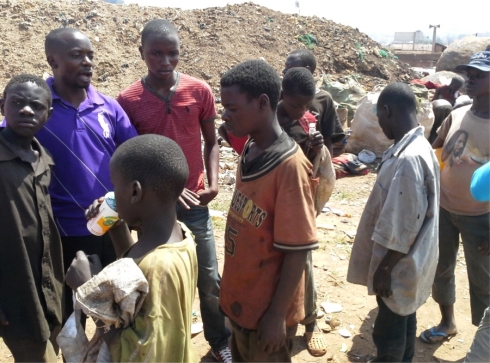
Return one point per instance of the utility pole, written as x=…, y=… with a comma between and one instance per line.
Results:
x=296, y=3
x=434, y=37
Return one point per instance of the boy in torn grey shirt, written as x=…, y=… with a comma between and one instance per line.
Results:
x=396, y=247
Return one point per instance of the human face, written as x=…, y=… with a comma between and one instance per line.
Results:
x=296, y=105
x=161, y=55
x=241, y=114
x=26, y=109
x=478, y=83
x=292, y=61
x=74, y=61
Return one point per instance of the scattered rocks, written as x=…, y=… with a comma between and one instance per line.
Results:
x=345, y=333
x=331, y=307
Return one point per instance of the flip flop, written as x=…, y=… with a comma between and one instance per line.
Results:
x=427, y=336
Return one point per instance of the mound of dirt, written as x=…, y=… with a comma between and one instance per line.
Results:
x=213, y=40
x=460, y=52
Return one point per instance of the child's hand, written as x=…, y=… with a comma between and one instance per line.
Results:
x=271, y=332
x=82, y=269
x=382, y=282
x=207, y=195
x=93, y=210
x=188, y=197
x=315, y=141
x=3, y=318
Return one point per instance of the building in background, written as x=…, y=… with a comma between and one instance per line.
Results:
x=409, y=37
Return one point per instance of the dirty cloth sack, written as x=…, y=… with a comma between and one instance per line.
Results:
x=114, y=296
x=324, y=170
x=366, y=132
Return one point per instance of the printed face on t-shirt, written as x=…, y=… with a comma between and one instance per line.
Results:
x=454, y=148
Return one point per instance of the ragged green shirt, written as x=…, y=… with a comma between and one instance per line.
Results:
x=161, y=331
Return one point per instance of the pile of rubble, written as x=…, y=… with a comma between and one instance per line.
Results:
x=213, y=40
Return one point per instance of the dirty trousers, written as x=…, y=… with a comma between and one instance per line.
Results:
x=394, y=335
x=27, y=350
x=480, y=349
x=473, y=230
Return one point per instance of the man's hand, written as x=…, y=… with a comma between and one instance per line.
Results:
x=484, y=247
x=3, y=318
x=188, y=198
x=382, y=281
x=315, y=141
x=82, y=269
x=93, y=210
x=207, y=195
x=271, y=332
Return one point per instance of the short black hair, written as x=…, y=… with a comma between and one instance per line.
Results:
x=254, y=78
x=398, y=96
x=156, y=161
x=25, y=78
x=159, y=27
x=54, y=41
x=457, y=80
x=306, y=57
x=299, y=81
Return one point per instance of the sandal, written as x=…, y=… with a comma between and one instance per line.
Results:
x=431, y=336
x=316, y=343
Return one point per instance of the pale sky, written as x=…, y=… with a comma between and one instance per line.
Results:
x=372, y=17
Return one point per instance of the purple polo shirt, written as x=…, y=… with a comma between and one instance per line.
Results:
x=81, y=142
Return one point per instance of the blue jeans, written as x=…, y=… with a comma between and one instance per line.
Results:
x=198, y=220
x=473, y=230
x=394, y=335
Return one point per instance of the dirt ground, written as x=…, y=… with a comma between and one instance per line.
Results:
x=212, y=41
x=359, y=310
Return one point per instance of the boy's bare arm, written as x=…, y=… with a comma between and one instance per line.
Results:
x=224, y=135
x=436, y=94
x=121, y=237
x=272, y=326
x=211, y=161
x=382, y=275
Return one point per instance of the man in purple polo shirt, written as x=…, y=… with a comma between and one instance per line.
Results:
x=84, y=131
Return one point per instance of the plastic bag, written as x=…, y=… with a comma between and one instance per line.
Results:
x=347, y=95
x=324, y=170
